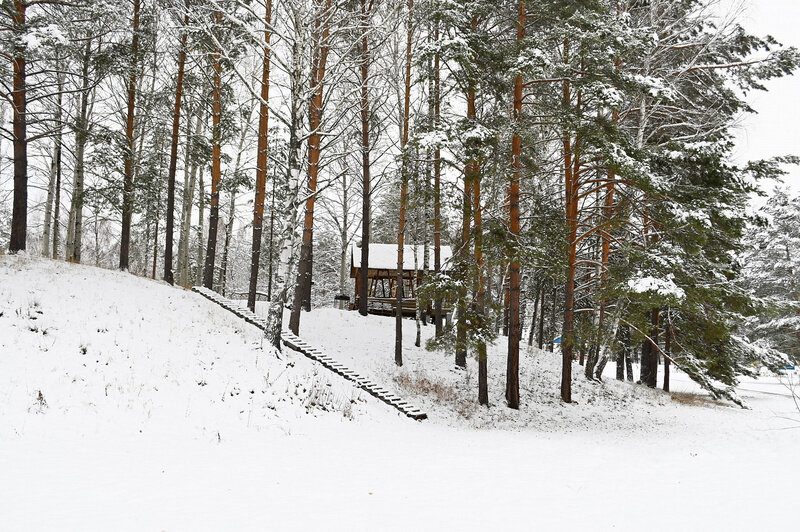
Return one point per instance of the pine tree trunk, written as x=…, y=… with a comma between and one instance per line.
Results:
x=19, y=216
x=271, y=258
x=200, y=226
x=483, y=374
x=514, y=330
x=366, y=180
x=51, y=188
x=55, y=169
x=418, y=308
x=628, y=356
x=401, y=225
x=189, y=185
x=262, y=162
x=75, y=224
x=437, y=174
x=567, y=339
x=128, y=184
x=57, y=209
x=216, y=166
x=173, y=156
x=463, y=267
x=649, y=363
x=621, y=356
x=668, y=352
x=223, y=270
x=540, y=339
x=321, y=32
x=552, y=327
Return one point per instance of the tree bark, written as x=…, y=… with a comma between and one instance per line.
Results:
x=216, y=166
x=622, y=354
x=128, y=184
x=540, y=339
x=437, y=174
x=320, y=46
x=571, y=210
x=19, y=215
x=366, y=180
x=57, y=209
x=189, y=185
x=54, y=184
x=483, y=374
x=201, y=207
x=262, y=162
x=514, y=329
x=173, y=156
x=668, y=352
x=75, y=224
x=461, y=323
x=404, y=174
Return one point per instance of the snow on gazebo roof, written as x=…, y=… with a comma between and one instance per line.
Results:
x=384, y=257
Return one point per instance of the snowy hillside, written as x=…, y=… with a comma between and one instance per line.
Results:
x=129, y=405
x=97, y=349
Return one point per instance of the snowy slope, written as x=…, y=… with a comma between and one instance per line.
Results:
x=109, y=351
x=155, y=428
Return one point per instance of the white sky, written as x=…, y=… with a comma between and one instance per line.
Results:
x=775, y=130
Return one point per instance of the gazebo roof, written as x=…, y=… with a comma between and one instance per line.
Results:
x=384, y=257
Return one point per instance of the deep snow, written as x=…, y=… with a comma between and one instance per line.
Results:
x=178, y=417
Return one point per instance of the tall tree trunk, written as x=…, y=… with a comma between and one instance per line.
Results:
x=667, y=351
x=514, y=329
x=75, y=224
x=483, y=374
x=437, y=174
x=320, y=46
x=649, y=362
x=173, y=156
x=216, y=166
x=622, y=353
x=404, y=175
x=262, y=162
x=366, y=180
x=19, y=216
x=540, y=339
x=463, y=266
x=55, y=166
x=57, y=208
x=417, y=303
x=189, y=185
x=289, y=218
x=552, y=326
x=343, y=237
x=223, y=270
x=201, y=207
x=567, y=339
x=271, y=258
x=128, y=184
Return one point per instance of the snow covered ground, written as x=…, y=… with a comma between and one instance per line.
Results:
x=129, y=405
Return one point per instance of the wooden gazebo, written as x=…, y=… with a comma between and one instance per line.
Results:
x=382, y=275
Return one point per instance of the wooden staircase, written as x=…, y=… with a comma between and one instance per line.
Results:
x=296, y=343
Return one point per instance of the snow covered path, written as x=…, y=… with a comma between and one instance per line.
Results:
x=155, y=428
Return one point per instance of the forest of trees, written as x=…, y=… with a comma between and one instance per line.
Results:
x=575, y=154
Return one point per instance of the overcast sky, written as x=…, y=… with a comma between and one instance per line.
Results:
x=775, y=130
